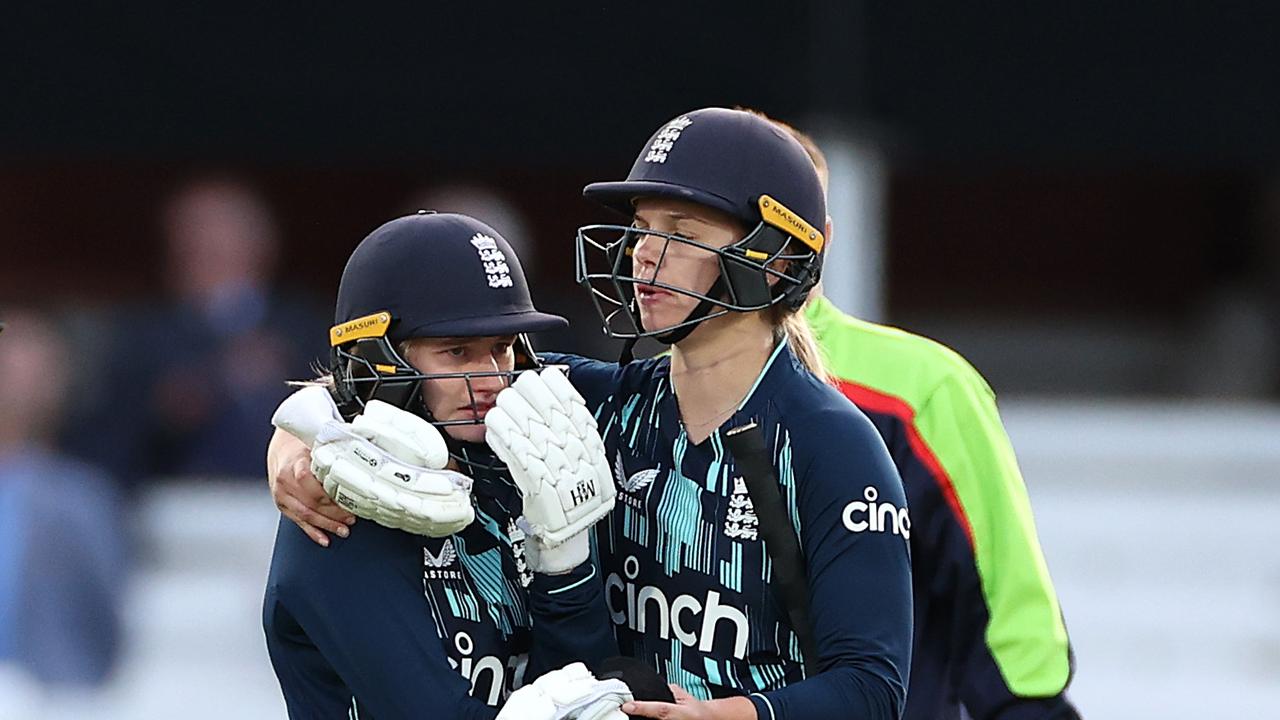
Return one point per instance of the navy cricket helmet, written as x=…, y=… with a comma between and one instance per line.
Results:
x=736, y=162
x=425, y=275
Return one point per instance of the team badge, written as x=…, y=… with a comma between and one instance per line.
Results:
x=495, y=262
x=666, y=139
x=741, y=523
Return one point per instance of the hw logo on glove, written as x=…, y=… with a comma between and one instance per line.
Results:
x=541, y=428
x=586, y=490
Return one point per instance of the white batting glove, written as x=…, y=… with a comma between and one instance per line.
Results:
x=305, y=412
x=541, y=428
x=387, y=465
x=570, y=693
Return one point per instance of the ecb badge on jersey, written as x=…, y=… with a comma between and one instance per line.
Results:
x=518, y=539
x=741, y=523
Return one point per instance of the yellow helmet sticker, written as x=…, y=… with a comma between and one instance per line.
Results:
x=369, y=326
x=779, y=216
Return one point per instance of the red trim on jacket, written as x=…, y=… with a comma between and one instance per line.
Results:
x=875, y=401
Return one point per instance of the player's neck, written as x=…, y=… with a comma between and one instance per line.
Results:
x=714, y=368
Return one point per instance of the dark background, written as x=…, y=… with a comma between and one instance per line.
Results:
x=1052, y=166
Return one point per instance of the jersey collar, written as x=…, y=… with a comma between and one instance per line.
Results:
x=781, y=364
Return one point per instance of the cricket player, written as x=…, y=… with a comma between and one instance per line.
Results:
x=450, y=608
x=722, y=249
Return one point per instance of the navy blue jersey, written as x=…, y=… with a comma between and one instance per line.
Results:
x=687, y=576
x=386, y=624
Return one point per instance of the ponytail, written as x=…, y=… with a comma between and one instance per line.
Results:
x=799, y=334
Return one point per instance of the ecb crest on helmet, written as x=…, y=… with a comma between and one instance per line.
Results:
x=496, y=269
x=666, y=139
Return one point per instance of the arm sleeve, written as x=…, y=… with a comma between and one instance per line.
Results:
x=859, y=581
x=570, y=620
x=360, y=604
x=1022, y=654
x=595, y=379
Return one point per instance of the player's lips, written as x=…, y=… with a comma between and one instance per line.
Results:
x=479, y=409
x=648, y=294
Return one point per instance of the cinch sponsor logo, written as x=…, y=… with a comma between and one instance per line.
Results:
x=677, y=616
x=871, y=516
x=504, y=678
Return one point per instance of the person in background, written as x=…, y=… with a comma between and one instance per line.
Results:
x=62, y=541
x=989, y=633
x=188, y=382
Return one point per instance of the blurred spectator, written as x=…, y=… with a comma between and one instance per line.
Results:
x=62, y=545
x=192, y=382
x=552, y=288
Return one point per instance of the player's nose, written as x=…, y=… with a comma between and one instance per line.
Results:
x=646, y=255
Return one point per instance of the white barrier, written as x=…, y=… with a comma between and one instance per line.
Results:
x=1161, y=523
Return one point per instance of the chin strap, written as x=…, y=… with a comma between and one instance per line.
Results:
x=628, y=351
x=698, y=313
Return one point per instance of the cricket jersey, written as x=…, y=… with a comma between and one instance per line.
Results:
x=386, y=624
x=989, y=631
x=687, y=576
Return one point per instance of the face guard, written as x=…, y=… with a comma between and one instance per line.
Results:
x=366, y=366
x=603, y=269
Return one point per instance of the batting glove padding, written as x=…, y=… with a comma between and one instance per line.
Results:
x=386, y=466
x=570, y=693
x=305, y=412
x=542, y=430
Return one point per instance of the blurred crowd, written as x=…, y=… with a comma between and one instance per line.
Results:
x=94, y=407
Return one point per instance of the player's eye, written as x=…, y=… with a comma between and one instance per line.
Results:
x=501, y=348
x=456, y=352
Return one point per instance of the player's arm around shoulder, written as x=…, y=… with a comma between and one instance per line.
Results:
x=854, y=532
x=298, y=494
x=595, y=380
x=599, y=380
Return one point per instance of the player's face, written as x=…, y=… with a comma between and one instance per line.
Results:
x=675, y=263
x=449, y=398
